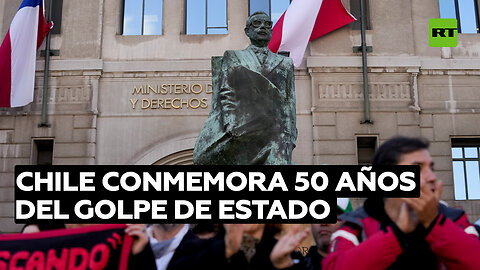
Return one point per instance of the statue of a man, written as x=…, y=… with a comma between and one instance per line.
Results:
x=252, y=118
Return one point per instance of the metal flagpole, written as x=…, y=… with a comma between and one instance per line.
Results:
x=44, y=122
x=366, y=93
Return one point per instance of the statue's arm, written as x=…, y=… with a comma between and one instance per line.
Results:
x=227, y=93
x=292, y=103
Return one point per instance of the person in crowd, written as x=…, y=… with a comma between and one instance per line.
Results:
x=405, y=233
x=243, y=246
x=141, y=253
x=165, y=239
x=194, y=252
x=253, y=246
x=141, y=256
x=322, y=234
x=208, y=230
x=477, y=225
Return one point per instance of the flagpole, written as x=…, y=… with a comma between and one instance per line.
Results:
x=366, y=92
x=44, y=122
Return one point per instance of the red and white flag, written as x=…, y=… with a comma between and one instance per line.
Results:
x=306, y=20
x=18, y=53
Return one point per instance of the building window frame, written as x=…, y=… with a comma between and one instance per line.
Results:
x=206, y=16
x=366, y=144
x=56, y=16
x=462, y=158
x=142, y=27
x=42, y=149
x=458, y=15
x=356, y=12
x=269, y=13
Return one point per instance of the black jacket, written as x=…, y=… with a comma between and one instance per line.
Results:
x=195, y=253
x=314, y=258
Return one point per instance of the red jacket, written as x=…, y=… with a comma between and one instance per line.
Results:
x=370, y=240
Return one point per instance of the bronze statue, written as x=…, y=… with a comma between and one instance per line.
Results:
x=252, y=119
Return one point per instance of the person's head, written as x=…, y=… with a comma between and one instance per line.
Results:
x=207, y=230
x=322, y=233
x=259, y=28
x=163, y=232
x=407, y=151
x=30, y=228
x=255, y=230
x=167, y=227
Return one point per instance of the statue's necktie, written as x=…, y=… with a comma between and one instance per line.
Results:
x=261, y=55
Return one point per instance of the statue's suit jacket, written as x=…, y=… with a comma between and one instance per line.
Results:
x=252, y=118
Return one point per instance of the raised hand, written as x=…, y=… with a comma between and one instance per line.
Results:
x=406, y=221
x=426, y=206
x=280, y=255
x=140, y=237
x=233, y=238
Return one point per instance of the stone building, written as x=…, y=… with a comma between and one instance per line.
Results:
x=123, y=96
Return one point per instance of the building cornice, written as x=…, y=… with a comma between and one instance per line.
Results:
x=411, y=63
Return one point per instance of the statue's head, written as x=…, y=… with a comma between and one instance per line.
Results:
x=259, y=28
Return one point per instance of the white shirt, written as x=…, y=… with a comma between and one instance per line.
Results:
x=163, y=261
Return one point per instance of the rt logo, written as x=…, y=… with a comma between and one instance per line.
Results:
x=443, y=33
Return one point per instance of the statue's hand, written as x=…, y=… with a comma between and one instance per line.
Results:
x=228, y=127
x=232, y=129
x=256, y=125
x=234, y=132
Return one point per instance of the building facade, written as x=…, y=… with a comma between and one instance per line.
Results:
x=140, y=96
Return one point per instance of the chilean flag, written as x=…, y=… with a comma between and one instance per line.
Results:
x=306, y=20
x=18, y=53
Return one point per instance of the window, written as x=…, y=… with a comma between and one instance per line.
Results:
x=206, y=17
x=142, y=17
x=366, y=146
x=465, y=11
x=42, y=152
x=274, y=8
x=466, y=170
x=56, y=15
x=356, y=12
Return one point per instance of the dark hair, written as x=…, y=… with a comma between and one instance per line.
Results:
x=166, y=227
x=273, y=229
x=249, y=19
x=390, y=152
x=203, y=228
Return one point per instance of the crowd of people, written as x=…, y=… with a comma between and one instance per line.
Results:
x=384, y=233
